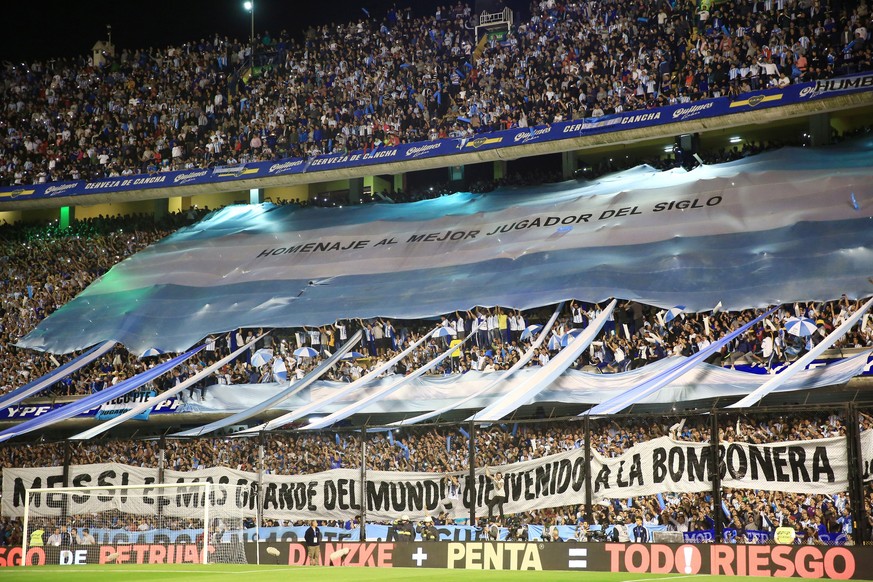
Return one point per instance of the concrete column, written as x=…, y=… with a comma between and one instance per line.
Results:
x=256, y=196
x=356, y=190
x=499, y=169
x=820, y=129
x=399, y=183
x=161, y=209
x=66, y=216
x=179, y=203
x=568, y=164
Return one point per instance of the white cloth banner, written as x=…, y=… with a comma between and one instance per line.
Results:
x=867, y=455
x=657, y=466
x=443, y=393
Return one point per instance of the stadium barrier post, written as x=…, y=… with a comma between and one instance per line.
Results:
x=472, y=474
x=162, y=458
x=259, y=510
x=716, y=477
x=207, y=491
x=24, y=528
x=588, y=492
x=162, y=465
x=68, y=458
x=856, y=474
x=363, y=524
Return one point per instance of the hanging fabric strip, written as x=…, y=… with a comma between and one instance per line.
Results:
x=501, y=378
x=96, y=399
x=143, y=406
x=54, y=376
x=522, y=394
x=802, y=362
x=333, y=397
x=652, y=385
x=380, y=394
x=289, y=392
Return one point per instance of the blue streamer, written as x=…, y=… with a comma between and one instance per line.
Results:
x=94, y=400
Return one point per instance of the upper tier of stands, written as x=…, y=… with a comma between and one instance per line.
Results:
x=401, y=78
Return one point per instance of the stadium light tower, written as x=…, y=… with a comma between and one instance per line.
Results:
x=250, y=6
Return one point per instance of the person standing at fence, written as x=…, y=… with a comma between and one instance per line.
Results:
x=428, y=531
x=640, y=533
x=312, y=537
x=404, y=530
x=498, y=496
x=87, y=539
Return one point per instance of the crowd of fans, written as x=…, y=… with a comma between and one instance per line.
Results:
x=634, y=336
x=43, y=268
x=400, y=77
x=445, y=450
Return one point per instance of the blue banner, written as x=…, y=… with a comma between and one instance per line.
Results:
x=118, y=406
x=705, y=109
x=707, y=536
x=375, y=533
x=25, y=412
x=98, y=398
x=382, y=533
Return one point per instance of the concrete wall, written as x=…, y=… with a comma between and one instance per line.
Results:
x=115, y=208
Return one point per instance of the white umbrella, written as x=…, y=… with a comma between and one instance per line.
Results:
x=674, y=312
x=568, y=337
x=530, y=330
x=445, y=332
x=800, y=326
x=150, y=353
x=305, y=353
x=554, y=343
x=261, y=357
x=280, y=372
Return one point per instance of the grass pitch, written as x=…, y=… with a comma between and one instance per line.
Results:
x=268, y=573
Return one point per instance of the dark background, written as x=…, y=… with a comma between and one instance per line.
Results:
x=50, y=29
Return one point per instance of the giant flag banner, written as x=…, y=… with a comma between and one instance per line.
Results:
x=783, y=226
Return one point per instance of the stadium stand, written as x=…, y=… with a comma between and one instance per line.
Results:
x=399, y=79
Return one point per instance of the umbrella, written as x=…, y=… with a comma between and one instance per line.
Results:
x=150, y=353
x=353, y=356
x=280, y=372
x=800, y=326
x=569, y=336
x=673, y=313
x=555, y=343
x=530, y=330
x=305, y=353
x=444, y=332
x=261, y=357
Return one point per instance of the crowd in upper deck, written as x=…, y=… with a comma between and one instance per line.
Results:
x=404, y=77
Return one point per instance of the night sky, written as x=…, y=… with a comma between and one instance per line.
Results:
x=41, y=30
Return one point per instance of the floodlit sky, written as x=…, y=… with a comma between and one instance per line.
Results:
x=42, y=29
